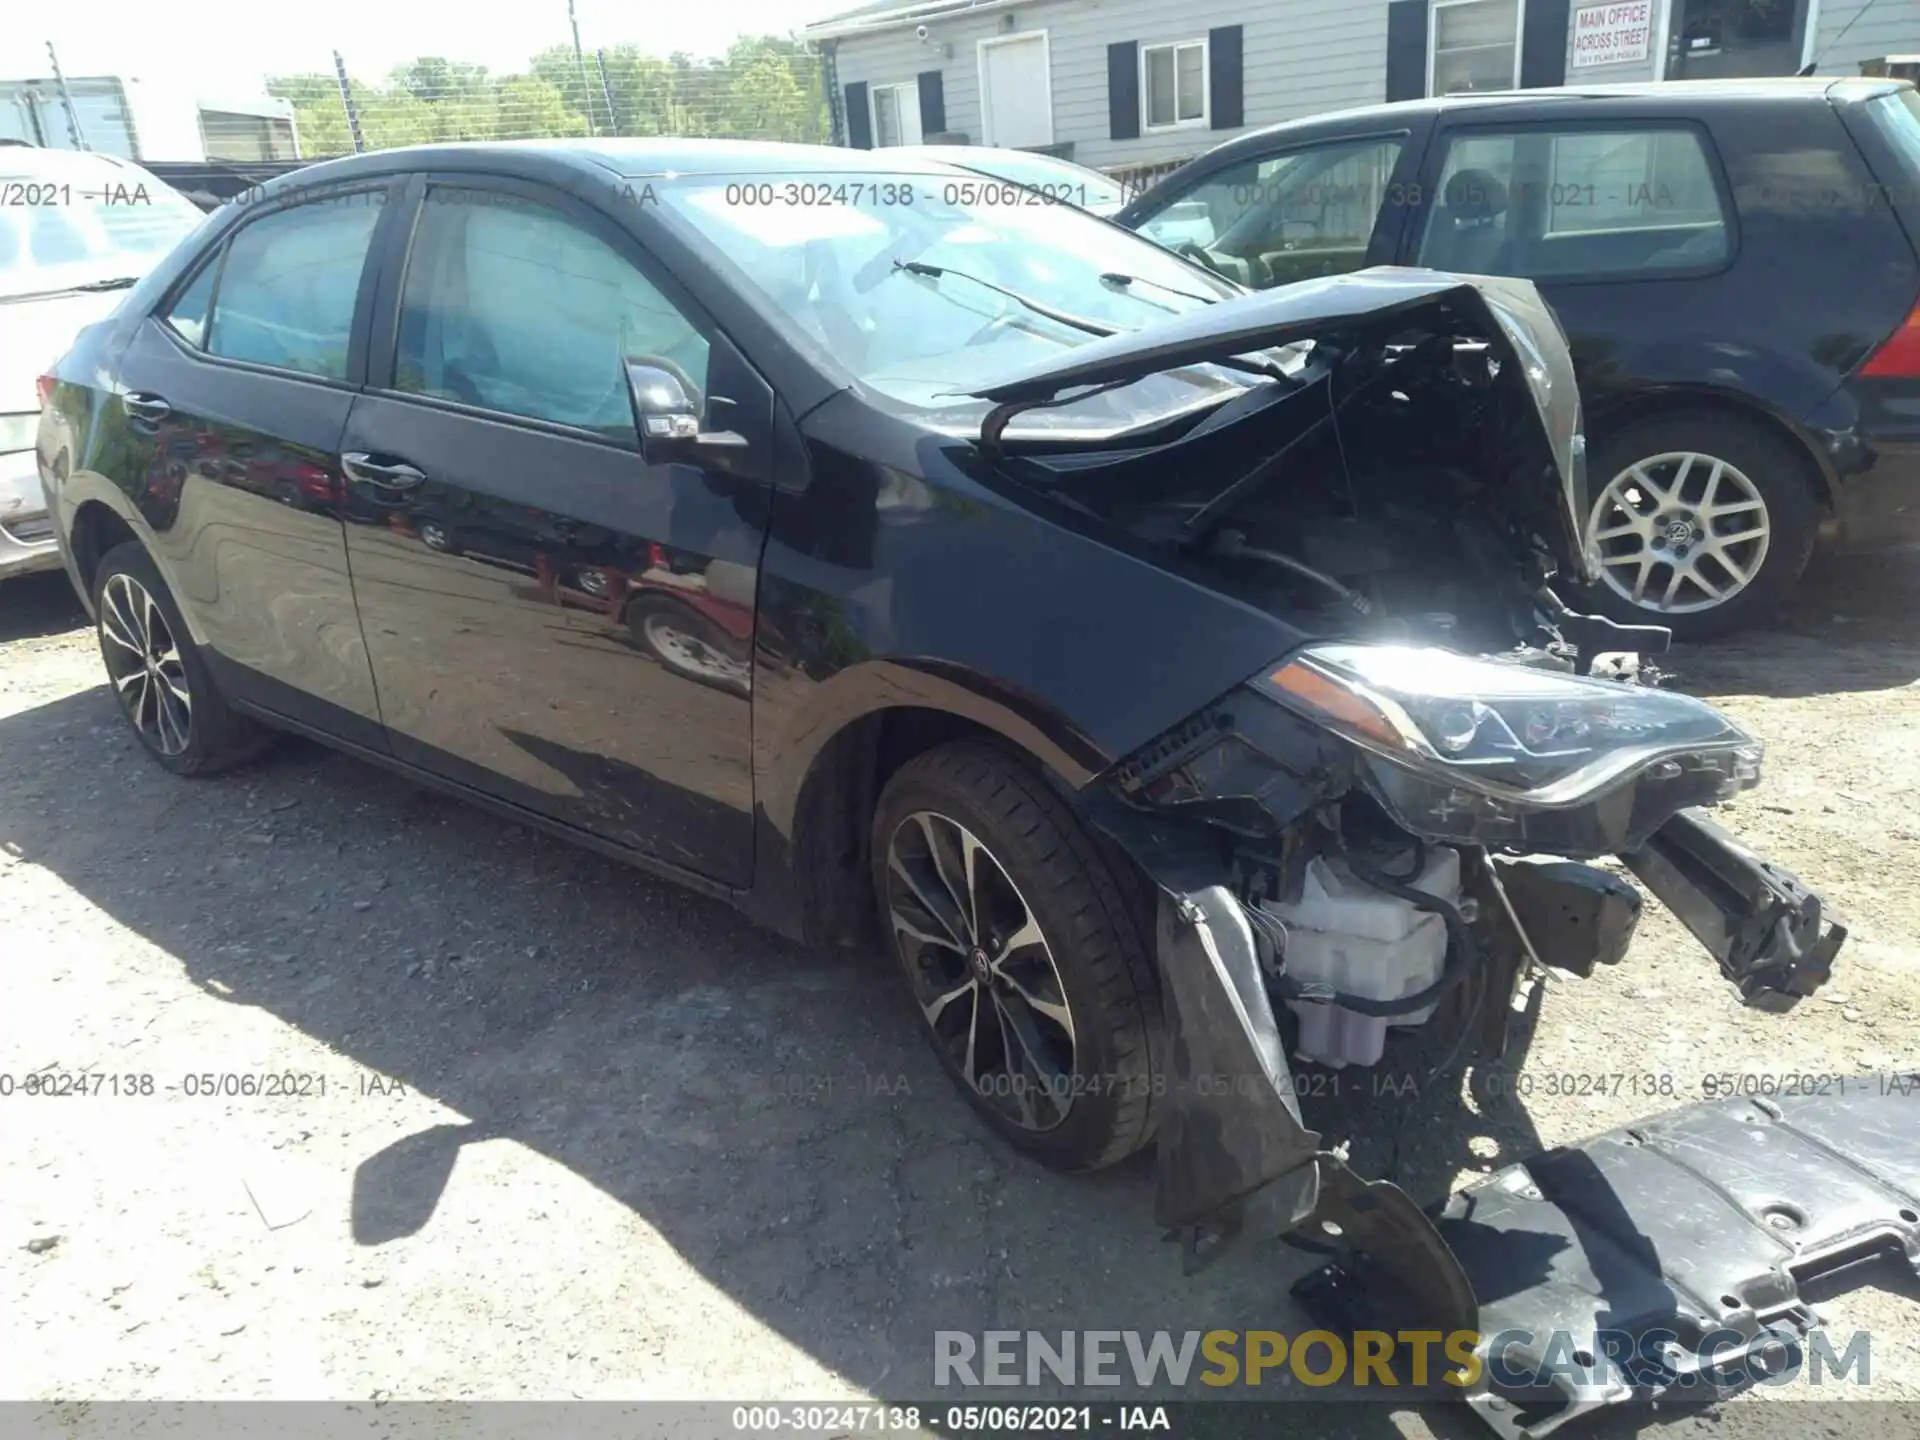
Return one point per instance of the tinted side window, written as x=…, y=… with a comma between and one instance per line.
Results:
x=513, y=307
x=288, y=287
x=188, y=314
x=1289, y=217
x=1576, y=204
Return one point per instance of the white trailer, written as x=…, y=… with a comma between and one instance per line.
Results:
x=146, y=119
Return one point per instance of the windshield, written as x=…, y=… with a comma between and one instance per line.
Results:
x=1055, y=179
x=829, y=253
x=61, y=230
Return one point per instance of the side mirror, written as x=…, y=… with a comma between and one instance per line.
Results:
x=666, y=403
x=666, y=409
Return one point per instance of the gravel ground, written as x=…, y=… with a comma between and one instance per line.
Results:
x=586, y=1135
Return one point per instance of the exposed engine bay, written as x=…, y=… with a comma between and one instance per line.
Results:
x=1392, y=827
x=1359, y=501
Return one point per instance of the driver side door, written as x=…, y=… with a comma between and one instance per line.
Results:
x=1296, y=212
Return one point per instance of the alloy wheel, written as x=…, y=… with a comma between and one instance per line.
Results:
x=144, y=663
x=1679, y=532
x=981, y=970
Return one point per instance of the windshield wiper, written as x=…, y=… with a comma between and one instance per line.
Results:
x=1038, y=307
x=120, y=283
x=1120, y=280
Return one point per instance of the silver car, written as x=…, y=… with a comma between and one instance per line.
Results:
x=76, y=230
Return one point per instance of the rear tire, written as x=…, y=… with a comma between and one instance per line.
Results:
x=159, y=677
x=1691, y=503
x=1044, y=969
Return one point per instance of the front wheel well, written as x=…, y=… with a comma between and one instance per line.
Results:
x=1668, y=405
x=96, y=530
x=835, y=811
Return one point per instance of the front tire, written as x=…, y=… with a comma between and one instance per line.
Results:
x=1700, y=522
x=1025, y=953
x=158, y=675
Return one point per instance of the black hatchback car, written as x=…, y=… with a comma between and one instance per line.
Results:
x=1734, y=265
x=1148, y=665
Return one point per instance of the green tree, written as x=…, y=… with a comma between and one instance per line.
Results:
x=534, y=109
x=764, y=88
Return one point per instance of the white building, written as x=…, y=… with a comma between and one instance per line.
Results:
x=1119, y=84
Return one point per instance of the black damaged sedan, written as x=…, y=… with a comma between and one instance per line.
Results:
x=1172, y=677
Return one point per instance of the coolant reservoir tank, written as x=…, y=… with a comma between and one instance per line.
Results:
x=1346, y=934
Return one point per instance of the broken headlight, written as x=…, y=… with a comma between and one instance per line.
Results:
x=1477, y=751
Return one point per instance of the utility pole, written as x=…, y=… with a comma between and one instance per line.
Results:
x=346, y=99
x=580, y=59
x=66, y=98
x=606, y=91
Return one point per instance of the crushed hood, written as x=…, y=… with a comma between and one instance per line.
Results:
x=1345, y=311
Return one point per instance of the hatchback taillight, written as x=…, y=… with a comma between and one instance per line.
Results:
x=1898, y=357
x=44, y=388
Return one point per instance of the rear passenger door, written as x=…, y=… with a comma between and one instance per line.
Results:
x=1625, y=225
x=236, y=393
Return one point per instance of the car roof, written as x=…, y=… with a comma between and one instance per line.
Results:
x=626, y=159
x=41, y=162
x=1669, y=95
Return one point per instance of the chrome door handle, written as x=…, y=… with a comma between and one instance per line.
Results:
x=397, y=475
x=150, y=409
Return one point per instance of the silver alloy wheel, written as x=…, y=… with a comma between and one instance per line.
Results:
x=144, y=664
x=690, y=654
x=1679, y=532
x=981, y=970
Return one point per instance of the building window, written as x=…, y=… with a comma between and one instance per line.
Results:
x=1476, y=46
x=896, y=114
x=1173, y=85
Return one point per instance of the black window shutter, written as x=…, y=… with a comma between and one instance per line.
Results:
x=859, y=117
x=1543, y=44
x=1123, y=90
x=933, y=103
x=1225, y=95
x=1407, y=49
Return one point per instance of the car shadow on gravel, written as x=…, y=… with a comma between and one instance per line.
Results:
x=1848, y=626
x=770, y=1111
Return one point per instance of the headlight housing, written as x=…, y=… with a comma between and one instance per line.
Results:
x=1480, y=751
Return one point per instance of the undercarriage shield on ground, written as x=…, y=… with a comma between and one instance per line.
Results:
x=1664, y=1258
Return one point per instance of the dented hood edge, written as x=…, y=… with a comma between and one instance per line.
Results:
x=1524, y=331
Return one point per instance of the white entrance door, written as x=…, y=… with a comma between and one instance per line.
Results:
x=896, y=114
x=1016, y=92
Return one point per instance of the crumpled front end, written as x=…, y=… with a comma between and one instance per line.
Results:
x=1324, y=888
x=1433, y=791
